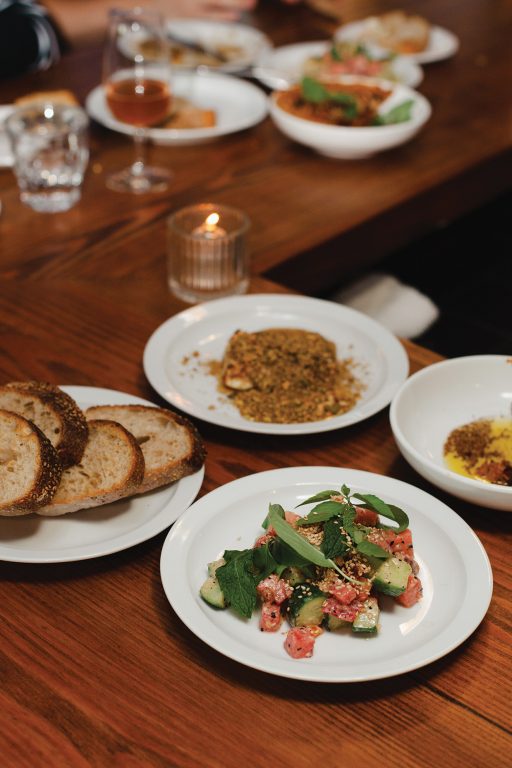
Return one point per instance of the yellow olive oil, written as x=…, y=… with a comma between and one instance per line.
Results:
x=470, y=449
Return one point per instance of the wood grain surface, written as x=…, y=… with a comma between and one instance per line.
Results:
x=96, y=668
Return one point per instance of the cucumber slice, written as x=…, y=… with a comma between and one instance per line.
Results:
x=367, y=620
x=305, y=606
x=212, y=567
x=334, y=624
x=212, y=593
x=391, y=576
x=293, y=575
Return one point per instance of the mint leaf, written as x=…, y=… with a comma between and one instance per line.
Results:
x=334, y=543
x=372, y=550
x=238, y=582
x=322, y=512
x=263, y=561
x=399, y=114
x=386, y=510
x=322, y=496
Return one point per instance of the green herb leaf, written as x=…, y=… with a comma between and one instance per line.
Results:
x=294, y=540
x=278, y=509
x=322, y=496
x=372, y=550
x=315, y=92
x=349, y=515
x=335, y=56
x=286, y=556
x=386, y=510
x=322, y=512
x=334, y=543
x=238, y=582
x=263, y=561
x=399, y=114
x=345, y=491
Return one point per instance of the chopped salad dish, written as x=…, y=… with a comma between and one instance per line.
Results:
x=351, y=58
x=320, y=572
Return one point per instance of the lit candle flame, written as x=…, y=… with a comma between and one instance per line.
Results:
x=212, y=220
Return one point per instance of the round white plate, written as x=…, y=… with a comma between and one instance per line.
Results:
x=442, y=44
x=454, y=570
x=212, y=34
x=238, y=105
x=183, y=378
x=101, y=530
x=289, y=61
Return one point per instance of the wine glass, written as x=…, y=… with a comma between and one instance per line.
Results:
x=136, y=79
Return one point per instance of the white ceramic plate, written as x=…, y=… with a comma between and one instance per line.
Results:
x=6, y=158
x=238, y=105
x=183, y=378
x=101, y=530
x=213, y=34
x=442, y=43
x=454, y=569
x=289, y=61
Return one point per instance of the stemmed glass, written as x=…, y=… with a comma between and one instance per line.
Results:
x=136, y=79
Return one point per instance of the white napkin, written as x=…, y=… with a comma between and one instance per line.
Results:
x=400, y=308
x=6, y=158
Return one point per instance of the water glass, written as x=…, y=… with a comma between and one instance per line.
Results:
x=50, y=148
x=207, y=255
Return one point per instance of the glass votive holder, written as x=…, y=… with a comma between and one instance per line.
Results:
x=207, y=255
x=50, y=148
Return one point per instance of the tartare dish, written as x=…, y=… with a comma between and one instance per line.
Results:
x=321, y=572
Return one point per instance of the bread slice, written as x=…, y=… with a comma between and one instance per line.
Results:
x=61, y=96
x=171, y=444
x=187, y=115
x=53, y=411
x=399, y=31
x=111, y=468
x=29, y=468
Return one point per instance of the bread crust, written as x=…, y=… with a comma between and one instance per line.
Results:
x=47, y=474
x=175, y=468
x=129, y=487
x=74, y=430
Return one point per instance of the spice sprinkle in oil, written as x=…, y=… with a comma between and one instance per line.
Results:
x=482, y=450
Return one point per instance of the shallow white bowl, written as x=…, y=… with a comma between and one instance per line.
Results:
x=348, y=143
x=441, y=397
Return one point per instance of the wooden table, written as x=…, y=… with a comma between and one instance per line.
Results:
x=97, y=670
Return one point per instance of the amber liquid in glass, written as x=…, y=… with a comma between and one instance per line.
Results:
x=141, y=102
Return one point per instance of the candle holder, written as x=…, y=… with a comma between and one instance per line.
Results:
x=207, y=256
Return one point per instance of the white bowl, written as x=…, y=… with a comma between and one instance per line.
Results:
x=347, y=143
x=441, y=397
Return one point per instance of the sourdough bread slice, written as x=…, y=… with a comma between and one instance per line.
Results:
x=111, y=468
x=53, y=411
x=171, y=445
x=29, y=468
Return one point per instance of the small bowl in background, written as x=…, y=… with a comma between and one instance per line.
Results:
x=441, y=397
x=350, y=142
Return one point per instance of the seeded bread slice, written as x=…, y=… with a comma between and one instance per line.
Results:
x=111, y=468
x=29, y=468
x=53, y=411
x=171, y=445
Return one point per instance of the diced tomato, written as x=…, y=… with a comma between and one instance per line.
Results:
x=271, y=618
x=366, y=516
x=343, y=592
x=347, y=612
x=402, y=543
x=291, y=518
x=262, y=540
x=412, y=592
x=274, y=590
x=300, y=641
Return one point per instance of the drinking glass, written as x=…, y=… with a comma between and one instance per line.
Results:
x=136, y=79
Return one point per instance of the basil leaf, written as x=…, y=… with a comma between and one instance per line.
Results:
x=322, y=496
x=263, y=561
x=294, y=540
x=238, y=582
x=399, y=114
x=279, y=510
x=334, y=543
x=386, y=510
x=372, y=550
x=322, y=512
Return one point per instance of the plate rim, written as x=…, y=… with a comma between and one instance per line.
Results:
x=189, y=490
x=200, y=511
x=394, y=379
x=423, y=57
x=94, y=103
x=267, y=56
